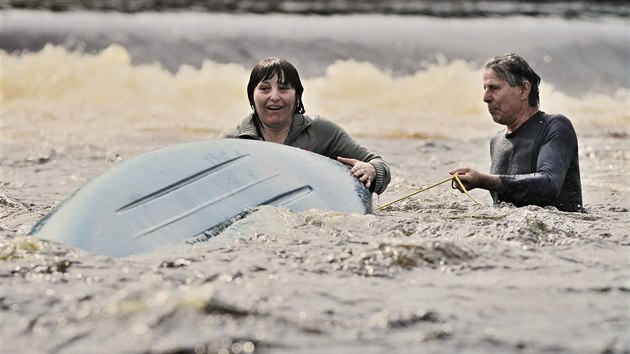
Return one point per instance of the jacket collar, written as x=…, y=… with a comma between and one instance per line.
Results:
x=249, y=128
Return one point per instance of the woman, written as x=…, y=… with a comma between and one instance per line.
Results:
x=275, y=95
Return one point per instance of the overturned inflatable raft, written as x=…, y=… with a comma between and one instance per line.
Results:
x=190, y=192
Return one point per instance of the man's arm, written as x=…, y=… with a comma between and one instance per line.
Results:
x=557, y=148
x=541, y=187
x=472, y=179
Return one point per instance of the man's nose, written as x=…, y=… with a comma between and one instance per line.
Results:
x=487, y=97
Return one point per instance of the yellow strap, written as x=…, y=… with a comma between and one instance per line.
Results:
x=455, y=176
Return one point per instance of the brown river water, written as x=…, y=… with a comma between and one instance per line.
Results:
x=434, y=273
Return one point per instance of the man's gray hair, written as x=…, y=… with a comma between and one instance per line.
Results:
x=515, y=71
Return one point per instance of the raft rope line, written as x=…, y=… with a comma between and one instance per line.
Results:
x=453, y=177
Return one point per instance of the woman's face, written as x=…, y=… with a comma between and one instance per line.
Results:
x=274, y=102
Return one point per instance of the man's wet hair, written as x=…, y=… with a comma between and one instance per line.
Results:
x=287, y=75
x=515, y=71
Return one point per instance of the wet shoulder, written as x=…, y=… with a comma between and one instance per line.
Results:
x=323, y=124
x=557, y=121
x=228, y=133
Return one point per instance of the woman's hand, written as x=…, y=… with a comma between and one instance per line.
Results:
x=364, y=171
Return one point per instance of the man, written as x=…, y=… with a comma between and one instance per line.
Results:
x=534, y=160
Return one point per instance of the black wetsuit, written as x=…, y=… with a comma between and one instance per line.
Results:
x=538, y=164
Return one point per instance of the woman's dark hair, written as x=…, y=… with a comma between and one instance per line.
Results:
x=286, y=72
x=515, y=71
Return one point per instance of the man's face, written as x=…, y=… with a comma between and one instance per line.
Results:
x=504, y=101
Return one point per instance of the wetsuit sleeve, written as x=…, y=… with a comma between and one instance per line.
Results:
x=557, y=148
x=337, y=142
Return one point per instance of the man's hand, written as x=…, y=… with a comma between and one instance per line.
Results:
x=472, y=179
